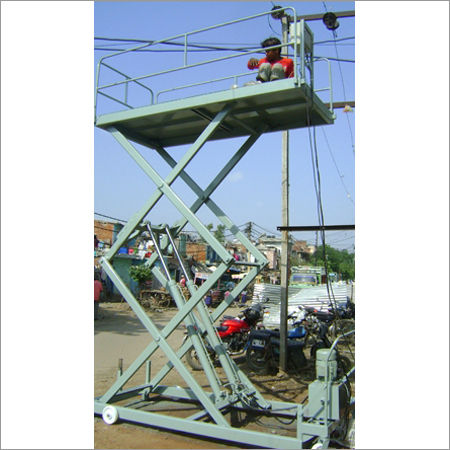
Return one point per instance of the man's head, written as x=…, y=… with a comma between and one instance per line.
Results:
x=272, y=54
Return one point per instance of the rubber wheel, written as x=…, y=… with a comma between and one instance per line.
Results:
x=192, y=359
x=110, y=415
x=256, y=361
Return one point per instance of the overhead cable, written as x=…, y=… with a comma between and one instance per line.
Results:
x=337, y=168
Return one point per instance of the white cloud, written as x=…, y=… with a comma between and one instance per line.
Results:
x=236, y=176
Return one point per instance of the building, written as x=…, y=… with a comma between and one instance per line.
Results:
x=104, y=231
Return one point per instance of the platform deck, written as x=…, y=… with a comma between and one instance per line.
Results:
x=279, y=105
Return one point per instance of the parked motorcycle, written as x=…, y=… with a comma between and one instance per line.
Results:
x=346, y=311
x=339, y=320
x=263, y=347
x=233, y=331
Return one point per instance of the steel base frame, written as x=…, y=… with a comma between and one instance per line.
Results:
x=238, y=391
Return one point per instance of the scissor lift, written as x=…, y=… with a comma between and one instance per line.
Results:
x=245, y=111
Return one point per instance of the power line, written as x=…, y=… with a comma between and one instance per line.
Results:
x=98, y=227
x=341, y=240
x=333, y=41
x=109, y=217
x=181, y=44
x=342, y=80
x=199, y=47
x=331, y=58
x=337, y=168
x=268, y=21
x=146, y=50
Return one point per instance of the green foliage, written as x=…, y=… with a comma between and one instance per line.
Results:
x=141, y=273
x=219, y=234
x=339, y=261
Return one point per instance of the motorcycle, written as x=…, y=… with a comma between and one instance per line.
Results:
x=233, y=331
x=339, y=320
x=263, y=347
x=346, y=311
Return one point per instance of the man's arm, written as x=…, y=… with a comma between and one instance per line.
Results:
x=253, y=63
x=289, y=68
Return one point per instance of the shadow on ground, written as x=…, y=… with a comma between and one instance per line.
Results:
x=124, y=321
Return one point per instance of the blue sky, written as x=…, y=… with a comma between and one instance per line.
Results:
x=252, y=192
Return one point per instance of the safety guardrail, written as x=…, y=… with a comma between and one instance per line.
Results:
x=296, y=43
x=330, y=81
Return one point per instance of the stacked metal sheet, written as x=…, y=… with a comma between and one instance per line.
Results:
x=271, y=292
x=316, y=296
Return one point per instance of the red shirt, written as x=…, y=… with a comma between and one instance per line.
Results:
x=287, y=63
x=97, y=289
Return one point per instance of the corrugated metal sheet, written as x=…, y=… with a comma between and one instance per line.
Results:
x=262, y=291
x=316, y=296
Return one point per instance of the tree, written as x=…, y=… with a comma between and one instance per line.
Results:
x=140, y=274
x=219, y=234
x=339, y=261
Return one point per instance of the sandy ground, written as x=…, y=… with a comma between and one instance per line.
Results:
x=120, y=335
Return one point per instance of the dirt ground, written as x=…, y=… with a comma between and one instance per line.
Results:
x=120, y=335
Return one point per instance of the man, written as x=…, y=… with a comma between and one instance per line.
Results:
x=273, y=66
x=97, y=291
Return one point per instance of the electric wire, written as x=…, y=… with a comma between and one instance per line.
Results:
x=241, y=44
x=182, y=44
x=342, y=240
x=255, y=235
x=337, y=168
x=342, y=80
x=345, y=97
x=266, y=230
x=268, y=21
x=193, y=47
x=98, y=227
x=331, y=58
x=147, y=50
x=331, y=41
x=109, y=217
x=317, y=187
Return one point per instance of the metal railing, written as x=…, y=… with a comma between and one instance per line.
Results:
x=128, y=80
x=330, y=87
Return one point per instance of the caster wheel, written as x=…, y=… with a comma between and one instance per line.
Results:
x=110, y=415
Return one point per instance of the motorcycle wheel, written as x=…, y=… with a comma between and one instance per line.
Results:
x=192, y=359
x=256, y=361
x=340, y=328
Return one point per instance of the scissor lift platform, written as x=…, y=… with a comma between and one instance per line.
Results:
x=280, y=105
x=246, y=111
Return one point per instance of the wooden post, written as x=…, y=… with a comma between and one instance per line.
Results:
x=284, y=257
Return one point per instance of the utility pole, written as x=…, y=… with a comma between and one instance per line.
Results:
x=248, y=230
x=284, y=257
